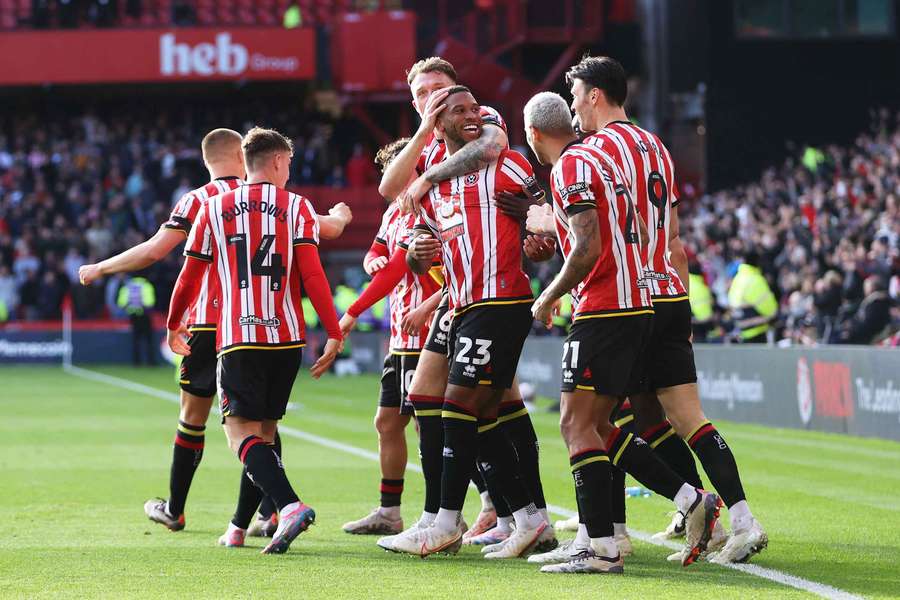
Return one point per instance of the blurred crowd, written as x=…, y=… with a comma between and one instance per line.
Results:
x=825, y=230
x=77, y=187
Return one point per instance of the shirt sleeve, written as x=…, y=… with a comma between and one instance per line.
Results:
x=306, y=226
x=573, y=182
x=183, y=213
x=383, y=230
x=199, y=243
x=490, y=116
x=517, y=173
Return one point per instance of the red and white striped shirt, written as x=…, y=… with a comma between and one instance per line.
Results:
x=395, y=233
x=435, y=150
x=650, y=177
x=482, y=248
x=585, y=178
x=248, y=236
x=205, y=308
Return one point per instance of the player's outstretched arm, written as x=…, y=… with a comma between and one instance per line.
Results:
x=381, y=285
x=319, y=292
x=134, y=259
x=186, y=288
x=475, y=155
x=376, y=258
x=413, y=321
x=585, y=253
x=332, y=225
x=402, y=169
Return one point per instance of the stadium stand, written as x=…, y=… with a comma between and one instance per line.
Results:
x=827, y=226
x=96, y=182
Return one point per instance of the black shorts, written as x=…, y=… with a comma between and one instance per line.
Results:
x=439, y=332
x=605, y=355
x=486, y=342
x=395, y=381
x=669, y=359
x=256, y=384
x=198, y=369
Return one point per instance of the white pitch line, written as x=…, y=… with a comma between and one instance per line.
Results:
x=813, y=587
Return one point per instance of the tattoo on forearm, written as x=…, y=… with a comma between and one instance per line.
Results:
x=471, y=157
x=586, y=233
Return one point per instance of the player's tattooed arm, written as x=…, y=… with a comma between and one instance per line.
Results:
x=585, y=231
x=475, y=155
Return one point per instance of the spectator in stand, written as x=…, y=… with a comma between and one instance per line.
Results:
x=823, y=223
x=868, y=322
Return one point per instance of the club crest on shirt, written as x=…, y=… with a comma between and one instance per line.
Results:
x=471, y=179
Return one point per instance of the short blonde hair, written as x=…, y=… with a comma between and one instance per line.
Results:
x=219, y=143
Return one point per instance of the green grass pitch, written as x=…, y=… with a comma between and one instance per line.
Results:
x=78, y=459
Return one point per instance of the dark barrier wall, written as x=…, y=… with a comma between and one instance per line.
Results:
x=843, y=389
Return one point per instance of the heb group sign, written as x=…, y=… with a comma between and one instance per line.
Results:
x=157, y=55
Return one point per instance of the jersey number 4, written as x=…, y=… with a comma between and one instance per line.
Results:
x=274, y=270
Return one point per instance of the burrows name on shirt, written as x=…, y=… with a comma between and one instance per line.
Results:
x=262, y=206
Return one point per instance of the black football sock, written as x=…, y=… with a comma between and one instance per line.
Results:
x=673, y=451
x=497, y=456
x=617, y=494
x=391, y=490
x=459, y=451
x=488, y=476
x=518, y=428
x=590, y=471
x=265, y=469
x=267, y=506
x=634, y=456
x=249, y=496
x=431, y=446
x=718, y=462
x=478, y=480
x=186, y=456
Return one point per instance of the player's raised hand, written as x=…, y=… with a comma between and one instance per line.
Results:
x=341, y=211
x=177, y=339
x=540, y=219
x=424, y=247
x=414, y=320
x=88, y=274
x=433, y=107
x=347, y=323
x=544, y=308
x=375, y=265
x=333, y=347
x=409, y=199
x=539, y=248
x=515, y=205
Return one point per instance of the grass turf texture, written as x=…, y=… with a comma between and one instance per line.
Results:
x=79, y=459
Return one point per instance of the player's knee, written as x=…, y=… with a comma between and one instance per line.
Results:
x=573, y=430
x=389, y=423
x=194, y=409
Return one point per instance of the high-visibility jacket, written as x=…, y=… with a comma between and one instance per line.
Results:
x=136, y=296
x=700, y=297
x=752, y=301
